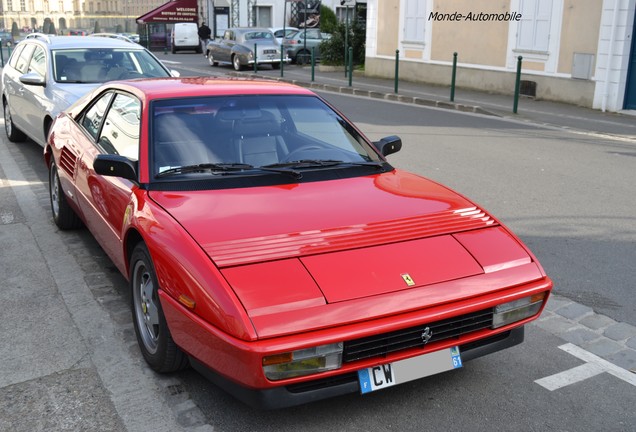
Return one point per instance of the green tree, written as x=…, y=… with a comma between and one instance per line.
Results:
x=15, y=31
x=96, y=28
x=328, y=20
x=332, y=50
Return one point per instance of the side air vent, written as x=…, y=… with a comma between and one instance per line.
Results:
x=67, y=161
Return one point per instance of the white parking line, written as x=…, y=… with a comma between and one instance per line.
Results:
x=594, y=365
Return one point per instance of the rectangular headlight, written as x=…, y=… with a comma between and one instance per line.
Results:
x=303, y=362
x=507, y=313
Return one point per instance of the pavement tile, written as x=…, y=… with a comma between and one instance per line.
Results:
x=556, y=302
x=69, y=400
x=574, y=311
x=625, y=359
x=202, y=428
x=631, y=342
x=555, y=325
x=597, y=321
x=620, y=331
x=188, y=414
x=579, y=336
x=602, y=347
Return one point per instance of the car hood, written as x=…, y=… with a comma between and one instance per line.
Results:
x=65, y=95
x=293, y=247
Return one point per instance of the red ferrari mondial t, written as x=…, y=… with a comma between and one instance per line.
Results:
x=270, y=245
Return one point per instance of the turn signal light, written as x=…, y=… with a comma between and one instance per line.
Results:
x=508, y=313
x=303, y=362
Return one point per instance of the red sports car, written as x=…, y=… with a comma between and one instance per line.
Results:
x=269, y=244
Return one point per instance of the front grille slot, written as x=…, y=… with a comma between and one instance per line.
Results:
x=413, y=337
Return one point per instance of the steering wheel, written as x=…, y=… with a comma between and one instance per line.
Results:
x=293, y=155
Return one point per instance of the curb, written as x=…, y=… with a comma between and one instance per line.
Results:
x=355, y=91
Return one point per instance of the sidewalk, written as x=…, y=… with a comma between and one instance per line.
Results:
x=622, y=125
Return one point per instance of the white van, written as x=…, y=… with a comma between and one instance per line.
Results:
x=185, y=36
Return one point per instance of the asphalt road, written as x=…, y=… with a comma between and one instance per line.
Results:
x=566, y=196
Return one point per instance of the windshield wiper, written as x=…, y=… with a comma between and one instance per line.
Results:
x=225, y=167
x=320, y=163
x=281, y=170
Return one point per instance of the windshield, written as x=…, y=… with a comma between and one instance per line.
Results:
x=230, y=135
x=258, y=35
x=98, y=65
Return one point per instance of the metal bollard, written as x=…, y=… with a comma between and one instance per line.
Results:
x=255, y=60
x=350, y=65
x=2, y=55
x=313, y=63
x=452, y=96
x=517, y=85
x=282, y=58
x=397, y=71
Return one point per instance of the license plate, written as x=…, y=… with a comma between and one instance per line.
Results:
x=387, y=375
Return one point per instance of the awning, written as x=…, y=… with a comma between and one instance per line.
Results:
x=172, y=12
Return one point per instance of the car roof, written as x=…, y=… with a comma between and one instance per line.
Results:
x=251, y=29
x=53, y=42
x=164, y=88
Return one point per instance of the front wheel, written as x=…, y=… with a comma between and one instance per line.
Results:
x=236, y=62
x=13, y=133
x=154, y=338
x=63, y=215
x=276, y=66
x=211, y=60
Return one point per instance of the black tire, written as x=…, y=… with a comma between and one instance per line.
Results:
x=63, y=215
x=236, y=62
x=173, y=50
x=13, y=133
x=303, y=57
x=199, y=50
x=211, y=60
x=154, y=338
x=276, y=66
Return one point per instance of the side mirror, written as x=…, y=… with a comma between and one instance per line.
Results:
x=388, y=145
x=32, y=78
x=115, y=166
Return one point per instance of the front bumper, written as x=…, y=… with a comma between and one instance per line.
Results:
x=324, y=388
x=236, y=364
x=269, y=61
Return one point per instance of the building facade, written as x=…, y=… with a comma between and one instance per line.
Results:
x=109, y=14
x=574, y=51
x=69, y=15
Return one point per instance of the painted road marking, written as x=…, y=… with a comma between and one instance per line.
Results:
x=594, y=365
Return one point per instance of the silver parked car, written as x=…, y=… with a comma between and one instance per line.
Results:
x=237, y=48
x=281, y=32
x=299, y=44
x=46, y=74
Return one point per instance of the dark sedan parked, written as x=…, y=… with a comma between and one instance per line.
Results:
x=237, y=46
